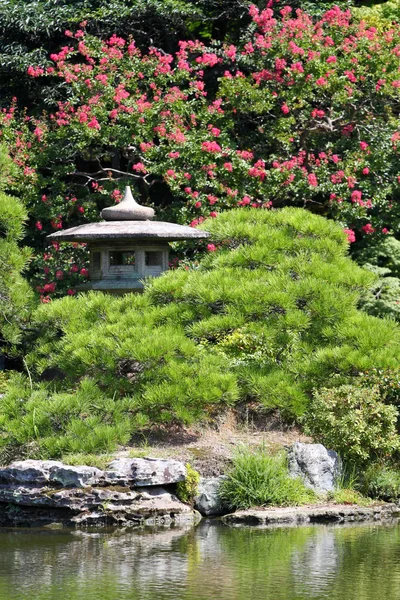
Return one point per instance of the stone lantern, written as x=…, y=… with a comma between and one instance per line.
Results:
x=127, y=246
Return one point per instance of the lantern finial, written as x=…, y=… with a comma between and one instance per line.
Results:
x=127, y=210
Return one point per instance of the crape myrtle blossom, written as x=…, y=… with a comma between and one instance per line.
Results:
x=287, y=120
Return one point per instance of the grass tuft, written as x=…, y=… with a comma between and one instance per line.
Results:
x=258, y=479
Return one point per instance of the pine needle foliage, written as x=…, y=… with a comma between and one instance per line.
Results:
x=16, y=297
x=267, y=317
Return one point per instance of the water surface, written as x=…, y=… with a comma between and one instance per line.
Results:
x=360, y=562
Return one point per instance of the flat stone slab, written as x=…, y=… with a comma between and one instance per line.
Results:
x=314, y=514
x=144, y=472
x=131, y=472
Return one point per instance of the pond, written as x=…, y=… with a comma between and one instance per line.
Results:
x=360, y=562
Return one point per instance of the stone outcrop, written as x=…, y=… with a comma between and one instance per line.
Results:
x=130, y=492
x=144, y=471
x=207, y=501
x=318, y=467
x=312, y=514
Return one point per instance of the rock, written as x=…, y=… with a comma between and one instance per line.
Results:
x=35, y=492
x=29, y=471
x=94, y=506
x=70, y=476
x=318, y=467
x=207, y=501
x=301, y=515
x=144, y=472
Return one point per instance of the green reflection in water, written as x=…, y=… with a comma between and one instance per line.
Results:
x=346, y=562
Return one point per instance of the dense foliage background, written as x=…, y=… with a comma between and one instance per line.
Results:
x=203, y=107
x=257, y=106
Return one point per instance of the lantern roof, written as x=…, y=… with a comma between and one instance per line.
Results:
x=128, y=221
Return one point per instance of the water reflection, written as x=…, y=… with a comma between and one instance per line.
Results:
x=346, y=562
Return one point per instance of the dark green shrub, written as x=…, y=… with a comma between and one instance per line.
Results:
x=354, y=421
x=382, y=482
x=258, y=479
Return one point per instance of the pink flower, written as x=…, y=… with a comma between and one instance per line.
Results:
x=213, y=214
x=59, y=275
x=215, y=131
x=94, y=124
x=356, y=196
x=38, y=133
x=228, y=166
x=385, y=230
x=363, y=145
x=48, y=288
x=244, y=201
x=331, y=59
x=365, y=171
x=312, y=179
x=368, y=228
x=198, y=204
x=81, y=209
x=116, y=195
x=321, y=81
x=174, y=155
x=210, y=147
x=44, y=198
x=211, y=247
x=285, y=109
x=71, y=292
x=212, y=199
x=74, y=269
x=171, y=173
x=351, y=236
x=245, y=154
x=84, y=272
x=139, y=168
x=39, y=225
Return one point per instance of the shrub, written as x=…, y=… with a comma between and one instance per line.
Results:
x=382, y=257
x=265, y=318
x=382, y=481
x=187, y=490
x=354, y=421
x=257, y=479
x=16, y=297
x=386, y=380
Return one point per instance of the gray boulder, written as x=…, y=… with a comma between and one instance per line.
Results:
x=77, y=477
x=144, y=471
x=318, y=467
x=29, y=471
x=207, y=501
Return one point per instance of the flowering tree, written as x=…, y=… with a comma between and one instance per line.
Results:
x=303, y=112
